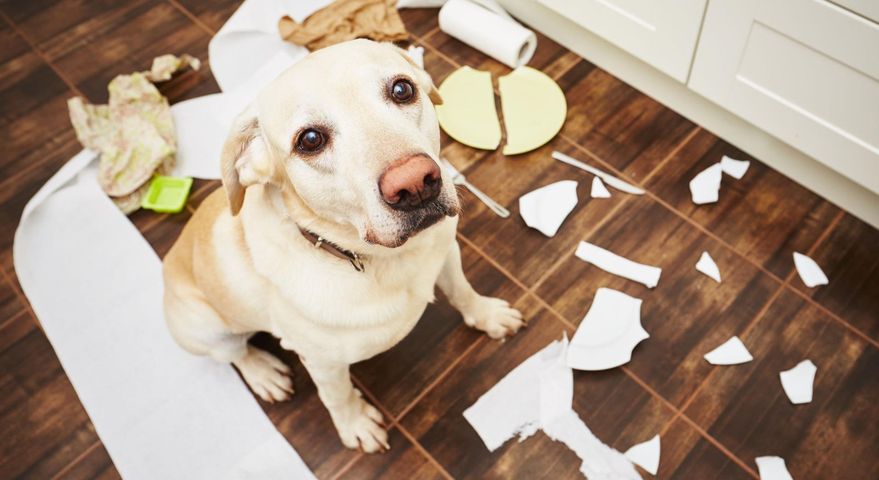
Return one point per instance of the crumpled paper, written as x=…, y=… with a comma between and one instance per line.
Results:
x=345, y=20
x=134, y=132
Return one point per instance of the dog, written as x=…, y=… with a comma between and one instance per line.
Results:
x=334, y=224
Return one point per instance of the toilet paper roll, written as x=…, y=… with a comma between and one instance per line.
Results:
x=485, y=26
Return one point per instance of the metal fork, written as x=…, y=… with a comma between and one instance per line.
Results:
x=458, y=178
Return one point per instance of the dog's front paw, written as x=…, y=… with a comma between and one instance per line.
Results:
x=493, y=316
x=360, y=427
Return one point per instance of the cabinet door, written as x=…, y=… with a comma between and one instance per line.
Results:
x=806, y=71
x=660, y=32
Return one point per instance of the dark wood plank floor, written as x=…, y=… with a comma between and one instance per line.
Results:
x=713, y=420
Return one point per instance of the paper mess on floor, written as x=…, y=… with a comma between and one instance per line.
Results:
x=515, y=407
x=734, y=168
x=608, y=333
x=608, y=178
x=547, y=207
x=772, y=468
x=598, y=189
x=468, y=112
x=731, y=352
x=809, y=271
x=705, y=187
x=646, y=455
x=613, y=263
x=707, y=266
x=797, y=382
x=534, y=109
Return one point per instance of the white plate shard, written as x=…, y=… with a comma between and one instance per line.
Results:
x=809, y=271
x=608, y=333
x=705, y=187
x=646, y=455
x=547, y=207
x=797, y=382
x=772, y=468
x=613, y=263
x=707, y=266
x=734, y=168
x=598, y=189
x=732, y=352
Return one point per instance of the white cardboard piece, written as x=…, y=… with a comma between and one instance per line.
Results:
x=545, y=208
x=608, y=333
x=707, y=266
x=646, y=455
x=772, y=468
x=705, y=187
x=809, y=271
x=598, y=189
x=731, y=352
x=797, y=382
x=613, y=263
x=734, y=168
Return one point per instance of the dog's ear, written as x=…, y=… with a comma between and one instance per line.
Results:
x=244, y=160
x=424, y=80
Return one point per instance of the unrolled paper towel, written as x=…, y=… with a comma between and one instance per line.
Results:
x=486, y=26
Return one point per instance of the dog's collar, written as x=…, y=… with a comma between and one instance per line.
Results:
x=335, y=250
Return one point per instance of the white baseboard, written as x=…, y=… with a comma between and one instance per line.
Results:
x=798, y=166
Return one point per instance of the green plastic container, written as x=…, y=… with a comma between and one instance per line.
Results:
x=167, y=194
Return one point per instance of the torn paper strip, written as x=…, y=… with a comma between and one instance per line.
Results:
x=734, y=168
x=705, y=187
x=732, y=352
x=608, y=333
x=772, y=468
x=547, y=207
x=598, y=189
x=797, y=382
x=646, y=455
x=600, y=462
x=608, y=178
x=809, y=271
x=707, y=266
x=613, y=263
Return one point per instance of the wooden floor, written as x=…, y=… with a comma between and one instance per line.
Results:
x=713, y=420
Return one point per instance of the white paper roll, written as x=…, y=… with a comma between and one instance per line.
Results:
x=485, y=26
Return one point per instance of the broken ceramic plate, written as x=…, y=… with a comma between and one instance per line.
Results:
x=598, y=189
x=797, y=382
x=608, y=333
x=809, y=271
x=772, y=468
x=646, y=455
x=707, y=266
x=732, y=352
x=547, y=207
x=613, y=263
x=734, y=168
x=705, y=187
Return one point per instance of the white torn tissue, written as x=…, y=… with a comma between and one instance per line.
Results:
x=617, y=265
x=734, y=168
x=772, y=468
x=707, y=266
x=608, y=333
x=732, y=352
x=514, y=407
x=797, y=382
x=809, y=271
x=705, y=187
x=598, y=189
x=646, y=455
x=547, y=207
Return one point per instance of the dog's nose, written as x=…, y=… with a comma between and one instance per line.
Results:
x=410, y=182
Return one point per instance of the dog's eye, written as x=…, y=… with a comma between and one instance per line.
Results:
x=310, y=141
x=402, y=91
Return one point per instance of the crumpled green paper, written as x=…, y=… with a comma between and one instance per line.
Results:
x=134, y=132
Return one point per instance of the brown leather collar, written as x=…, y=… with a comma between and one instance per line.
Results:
x=336, y=251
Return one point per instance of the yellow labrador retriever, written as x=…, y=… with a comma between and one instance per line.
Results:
x=334, y=224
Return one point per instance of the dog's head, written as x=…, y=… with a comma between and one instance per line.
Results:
x=351, y=132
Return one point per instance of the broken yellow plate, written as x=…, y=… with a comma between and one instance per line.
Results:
x=534, y=109
x=468, y=114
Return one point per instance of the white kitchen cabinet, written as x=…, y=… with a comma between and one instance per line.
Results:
x=662, y=33
x=806, y=71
